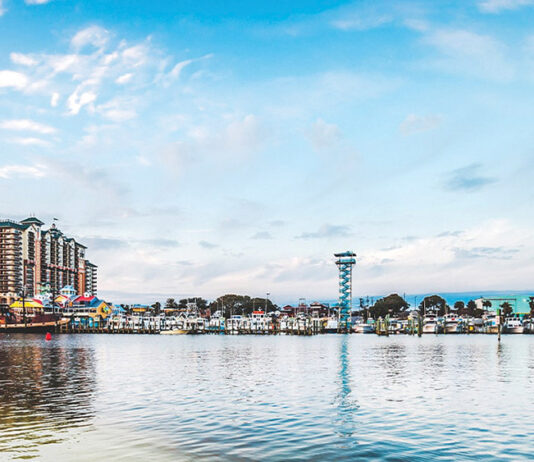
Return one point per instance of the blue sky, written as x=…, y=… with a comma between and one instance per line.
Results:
x=209, y=147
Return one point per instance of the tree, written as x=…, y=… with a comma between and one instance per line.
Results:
x=171, y=304
x=460, y=307
x=231, y=304
x=531, y=304
x=157, y=308
x=473, y=310
x=201, y=303
x=434, y=303
x=393, y=305
x=486, y=304
x=507, y=309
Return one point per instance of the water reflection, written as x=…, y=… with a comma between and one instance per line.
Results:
x=45, y=391
x=345, y=402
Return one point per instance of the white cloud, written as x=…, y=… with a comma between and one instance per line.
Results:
x=37, y=2
x=324, y=135
x=143, y=161
x=77, y=100
x=92, y=35
x=125, y=78
x=22, y=59
x=54, y=99
x=417, y=124
x=29, y=141
x=2, y=9
x=136, y=55
x=27, y=125
x=357, y=22
x=467, y=52
x=116, y=110
x=22, y=171
x=496, y=6
x=13, y=79
x=240, y=137
x=176, y=71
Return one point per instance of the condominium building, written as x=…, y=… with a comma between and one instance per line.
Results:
x=34, y=260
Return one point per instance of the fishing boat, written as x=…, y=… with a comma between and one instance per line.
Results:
x=512, y=326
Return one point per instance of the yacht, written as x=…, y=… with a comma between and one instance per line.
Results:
x=430, y=324
x=452, y=324
x=331, y=326
x=361, y=327
x=491, y=323
x=513, y=326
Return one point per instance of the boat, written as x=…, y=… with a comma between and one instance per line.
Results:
x=491, y=323
x=30, y=315
x=331, y=326
x=360, y=327
x=528, y=326
x=430, y=324
x=174, y=332
x=452, y=324
x=512, y=326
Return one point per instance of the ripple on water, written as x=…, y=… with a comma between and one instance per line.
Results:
x=329, y=397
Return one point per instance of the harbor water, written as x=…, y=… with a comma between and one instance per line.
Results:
x=325, y=397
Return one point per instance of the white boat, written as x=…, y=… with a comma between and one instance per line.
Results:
x=360, y=327
x=491, y=323
x=173, y=332
x=331, y=326
x=430, y=324
x=528, y=326
x=451, y=324
x=513, y=326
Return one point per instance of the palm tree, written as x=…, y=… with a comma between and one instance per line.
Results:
x=531, y=304
x=507, y=309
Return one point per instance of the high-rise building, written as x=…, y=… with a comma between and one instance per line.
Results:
x=35, y=260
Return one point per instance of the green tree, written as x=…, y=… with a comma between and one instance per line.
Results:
x=434, y=303
x=232, y=304
x=460, y=307
x=393, y=305
x=157, y=308
x=472, y=309
x=507, y=309
x=201, y=303
x=171, y=304
x=531, y=304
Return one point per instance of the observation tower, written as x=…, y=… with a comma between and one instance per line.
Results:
x=345, y=261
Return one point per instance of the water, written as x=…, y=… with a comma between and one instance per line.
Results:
x=328, y=397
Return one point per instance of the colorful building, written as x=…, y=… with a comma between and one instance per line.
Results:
x=34, y=261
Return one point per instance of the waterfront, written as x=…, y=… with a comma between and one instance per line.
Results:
x=101, y=397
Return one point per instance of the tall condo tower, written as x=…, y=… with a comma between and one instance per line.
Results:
x=345, y=261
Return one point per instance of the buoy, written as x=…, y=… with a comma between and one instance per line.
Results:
x=48, y=336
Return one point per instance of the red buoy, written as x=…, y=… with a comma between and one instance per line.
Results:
x=48, y=336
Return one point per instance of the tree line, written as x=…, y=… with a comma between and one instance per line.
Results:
x=397, y=306
x=228, y=305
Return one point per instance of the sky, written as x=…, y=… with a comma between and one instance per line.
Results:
x=204, y=147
